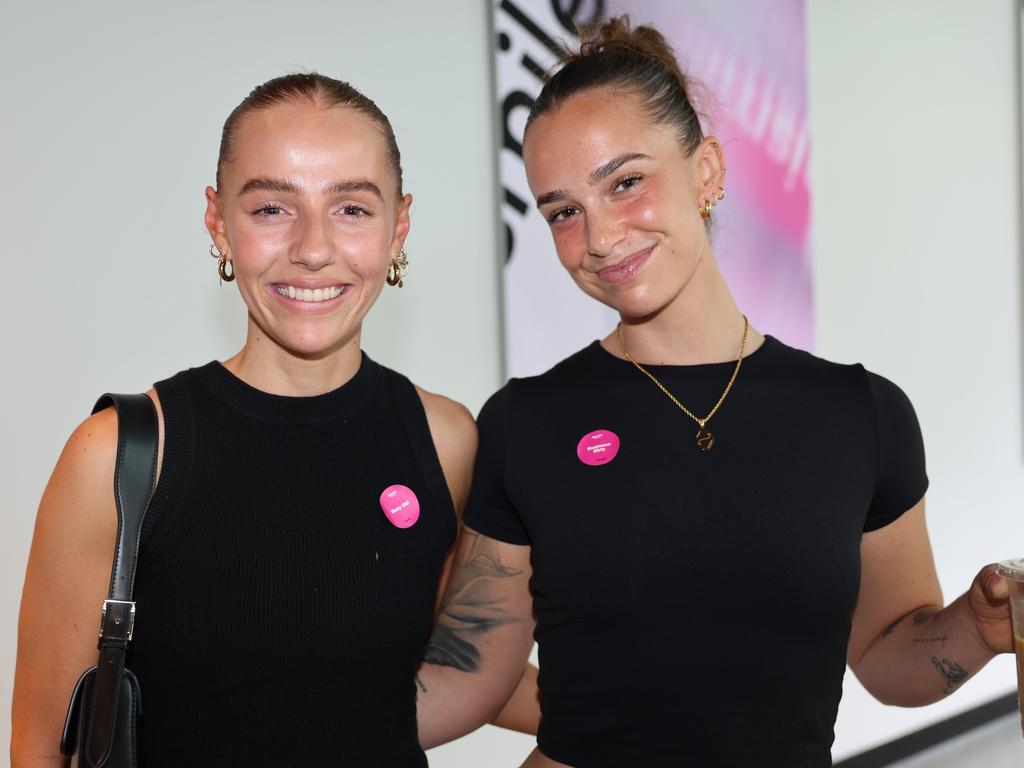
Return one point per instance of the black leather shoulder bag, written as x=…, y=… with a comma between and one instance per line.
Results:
x=101, y=725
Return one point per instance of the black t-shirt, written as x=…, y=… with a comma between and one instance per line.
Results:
x=693, y=608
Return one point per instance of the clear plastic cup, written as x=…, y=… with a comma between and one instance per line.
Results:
x=1013, y=572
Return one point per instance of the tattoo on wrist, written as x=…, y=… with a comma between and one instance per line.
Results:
x=952, y=672
x=472, y=606
x=420, y=685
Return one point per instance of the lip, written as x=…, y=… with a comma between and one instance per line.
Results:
x=314, y=307
x=626, y=269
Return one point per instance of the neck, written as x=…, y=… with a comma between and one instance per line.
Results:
x=266, y=365
x=702, y=324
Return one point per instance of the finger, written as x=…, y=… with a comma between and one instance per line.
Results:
x=996, y=588
x=988, y=595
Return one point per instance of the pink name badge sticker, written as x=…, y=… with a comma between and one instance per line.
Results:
x=599, y=447
x=400, y=505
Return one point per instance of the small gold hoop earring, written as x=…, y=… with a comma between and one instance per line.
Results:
x=223, y=266
x=705, y=210
x=721, y=194
x=396, y=269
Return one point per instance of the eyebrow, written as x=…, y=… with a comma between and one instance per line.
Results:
x=288, y=188
x=355, y=185
x=269, y=185
x=613, y=165
x=603, y=171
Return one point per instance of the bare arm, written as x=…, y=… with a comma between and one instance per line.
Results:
x=451, y=701
x=477, y=654
x=66, y=581
x=904, y=646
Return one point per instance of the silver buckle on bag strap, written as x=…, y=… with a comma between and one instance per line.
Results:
x=107, y=604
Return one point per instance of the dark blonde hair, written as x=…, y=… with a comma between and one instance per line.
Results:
x=637, y=60
x=316, y=89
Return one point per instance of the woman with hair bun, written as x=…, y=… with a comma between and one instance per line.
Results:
x=700, y=525
x=283, y=599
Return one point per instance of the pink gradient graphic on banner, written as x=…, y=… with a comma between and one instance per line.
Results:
x=751, y=59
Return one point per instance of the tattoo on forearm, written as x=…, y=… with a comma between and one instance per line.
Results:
x=919, y=618
x=952, y=672
x=944, y=638
x=420, y=685
x=472, y=606
x=892, y=627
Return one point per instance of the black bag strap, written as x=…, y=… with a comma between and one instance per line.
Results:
x=134, y=481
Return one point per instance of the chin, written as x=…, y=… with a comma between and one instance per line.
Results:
x=310, y=346
x=634, y=303
x=312, y=351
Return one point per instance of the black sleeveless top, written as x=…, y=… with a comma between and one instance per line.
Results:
x=281, y=614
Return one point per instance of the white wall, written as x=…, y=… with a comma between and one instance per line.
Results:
x=111, y=116
x=915, y=178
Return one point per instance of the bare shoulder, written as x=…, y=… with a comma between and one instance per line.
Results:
x=82, y=482
x=453, y=431
x=79, y=496
x=448, y=418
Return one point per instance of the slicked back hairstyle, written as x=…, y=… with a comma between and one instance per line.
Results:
x=316, y=89
x=637, y=60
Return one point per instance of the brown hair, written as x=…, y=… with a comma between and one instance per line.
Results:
x=636, y=59
x=315, y=88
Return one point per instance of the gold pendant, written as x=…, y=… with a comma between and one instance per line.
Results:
x=705, y=439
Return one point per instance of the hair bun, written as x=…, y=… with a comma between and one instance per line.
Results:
x=638, y=60
x=617, y=35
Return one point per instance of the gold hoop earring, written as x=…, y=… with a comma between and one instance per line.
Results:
x=396, y=269
x=223, y=265
x=720, y=195
x=705, y=210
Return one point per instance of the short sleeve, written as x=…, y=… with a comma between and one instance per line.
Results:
x=902, y=480
x=489, y=510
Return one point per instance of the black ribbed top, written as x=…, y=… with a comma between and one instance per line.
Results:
x=281, y=616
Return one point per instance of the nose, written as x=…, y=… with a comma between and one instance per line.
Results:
x=604, y=232
x=313, y=248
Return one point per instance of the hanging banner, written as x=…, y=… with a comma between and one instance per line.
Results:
x=750, y=58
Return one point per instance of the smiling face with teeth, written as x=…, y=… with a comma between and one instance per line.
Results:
x=310, y=214
x=621, y=197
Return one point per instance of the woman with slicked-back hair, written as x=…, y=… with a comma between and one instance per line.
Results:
x=308, y=498
x=700, y=525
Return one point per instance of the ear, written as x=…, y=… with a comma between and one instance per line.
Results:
x=402, y=224
x=214, y=219
x=709, y=159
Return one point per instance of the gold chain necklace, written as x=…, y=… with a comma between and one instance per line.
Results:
x=704, y=437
